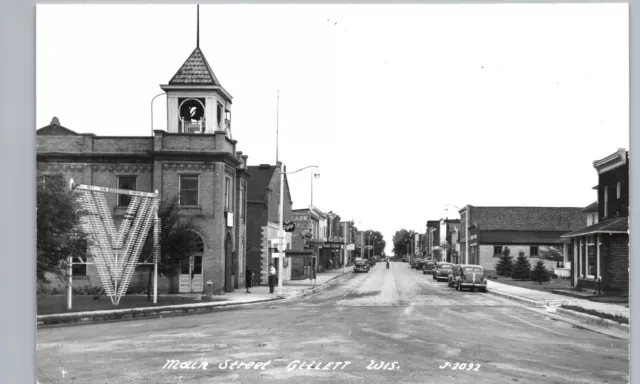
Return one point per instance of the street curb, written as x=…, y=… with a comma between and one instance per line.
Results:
x=94, y=317
x=582, y=317
x=529, y=302
x=116, y=315
x=593, y=320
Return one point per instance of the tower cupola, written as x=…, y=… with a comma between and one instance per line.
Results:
x=196, y=101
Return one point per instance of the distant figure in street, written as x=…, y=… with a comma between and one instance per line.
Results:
x=248, y=275
x=330, y=264
x=272, y=277
x=387, y=264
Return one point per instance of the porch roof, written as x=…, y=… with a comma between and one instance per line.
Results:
x=617, y=225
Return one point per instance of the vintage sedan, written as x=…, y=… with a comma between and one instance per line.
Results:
x=420, y=264
x=470, y=276
x=428, y=267
x=361, y=266
x=442, y=270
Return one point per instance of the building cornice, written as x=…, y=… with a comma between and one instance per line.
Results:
x=612, y=161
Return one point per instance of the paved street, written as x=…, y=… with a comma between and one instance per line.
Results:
x=397, y=316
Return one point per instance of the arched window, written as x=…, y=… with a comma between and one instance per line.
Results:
x=198, y=244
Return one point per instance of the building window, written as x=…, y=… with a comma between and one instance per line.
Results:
x=591, y=259
x=78, y=269
x=219, y=115
x=227, y=193
x=533, y=251
x=241, y=203
x=189, y=189
x=618, y=190
x=51, y=179
x=606, y=200
x=497, y=249
x=129, y=183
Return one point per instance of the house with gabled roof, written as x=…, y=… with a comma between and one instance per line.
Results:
x=263, y=207
x=602, y=247
x=536, y=231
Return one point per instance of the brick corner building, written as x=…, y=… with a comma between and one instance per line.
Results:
x=195, y=160
x=602, y=247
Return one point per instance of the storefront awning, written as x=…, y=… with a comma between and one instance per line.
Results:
x=618, y=225
x=298, y=252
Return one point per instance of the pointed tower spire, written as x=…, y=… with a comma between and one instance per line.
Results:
x=198, y=27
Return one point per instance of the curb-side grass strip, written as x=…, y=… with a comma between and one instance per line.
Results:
x=618, y=318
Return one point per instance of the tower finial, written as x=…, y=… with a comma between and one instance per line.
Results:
x=198, y=27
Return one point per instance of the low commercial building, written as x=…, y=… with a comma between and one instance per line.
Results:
x=536, y=231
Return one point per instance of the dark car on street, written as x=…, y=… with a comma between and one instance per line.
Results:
x=361, y=266
x=470, y=276
x=420, y=264
x=428, y=267
x=442, y=270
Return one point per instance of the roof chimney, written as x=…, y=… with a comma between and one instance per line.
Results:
x=55, y=121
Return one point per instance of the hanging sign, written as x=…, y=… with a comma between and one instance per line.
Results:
x=289, y=226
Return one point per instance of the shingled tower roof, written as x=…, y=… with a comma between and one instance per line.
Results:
x=195, y=71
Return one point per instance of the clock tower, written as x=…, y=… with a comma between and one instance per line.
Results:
x=196, y=102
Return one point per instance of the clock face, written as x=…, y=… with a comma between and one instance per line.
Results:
x=192, y=110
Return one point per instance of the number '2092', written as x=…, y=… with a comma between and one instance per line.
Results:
x=462, y=366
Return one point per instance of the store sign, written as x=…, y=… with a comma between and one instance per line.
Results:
x=289, y=226
x=473, y=237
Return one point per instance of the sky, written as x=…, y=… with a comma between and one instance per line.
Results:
x=404, y=108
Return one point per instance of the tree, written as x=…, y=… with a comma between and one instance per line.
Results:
x=551, y=253
x=177, y=241
x=400, y=239
x=522, y=267
x=540, y=272
x=376, y=239
x=58, y=233
x=504, y=266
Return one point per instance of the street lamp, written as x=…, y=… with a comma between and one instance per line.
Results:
x=315, y=174
x=281, y=228
x=154, y=97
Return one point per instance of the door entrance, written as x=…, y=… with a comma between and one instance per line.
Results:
x=190, y=279
x=228, y=265
x=191, y=275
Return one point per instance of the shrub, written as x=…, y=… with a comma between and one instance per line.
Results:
x=504, y=266
x=522, y=267
x=540, y=272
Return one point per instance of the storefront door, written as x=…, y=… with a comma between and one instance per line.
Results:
x=191, y=275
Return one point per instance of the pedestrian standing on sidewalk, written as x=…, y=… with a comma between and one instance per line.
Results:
x=248, y=275
x=330, y=264
x=272, y=277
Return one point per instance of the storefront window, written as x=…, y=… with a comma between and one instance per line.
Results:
x=591, y=257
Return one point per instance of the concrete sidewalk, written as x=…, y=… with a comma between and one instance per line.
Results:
x=551, y=302
x=238, y=299
x=552, y=299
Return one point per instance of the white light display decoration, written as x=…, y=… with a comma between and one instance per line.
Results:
x=116, y=253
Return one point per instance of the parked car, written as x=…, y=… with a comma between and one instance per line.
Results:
x=420, y=264
x=470, y=276
x=361, y=266
x=442, y=270
x=428, y=267
x=413, y=263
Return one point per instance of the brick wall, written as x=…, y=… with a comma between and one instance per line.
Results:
x=489, y=262
x=618, y=250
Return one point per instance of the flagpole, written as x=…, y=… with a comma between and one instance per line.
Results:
x=277, y=125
